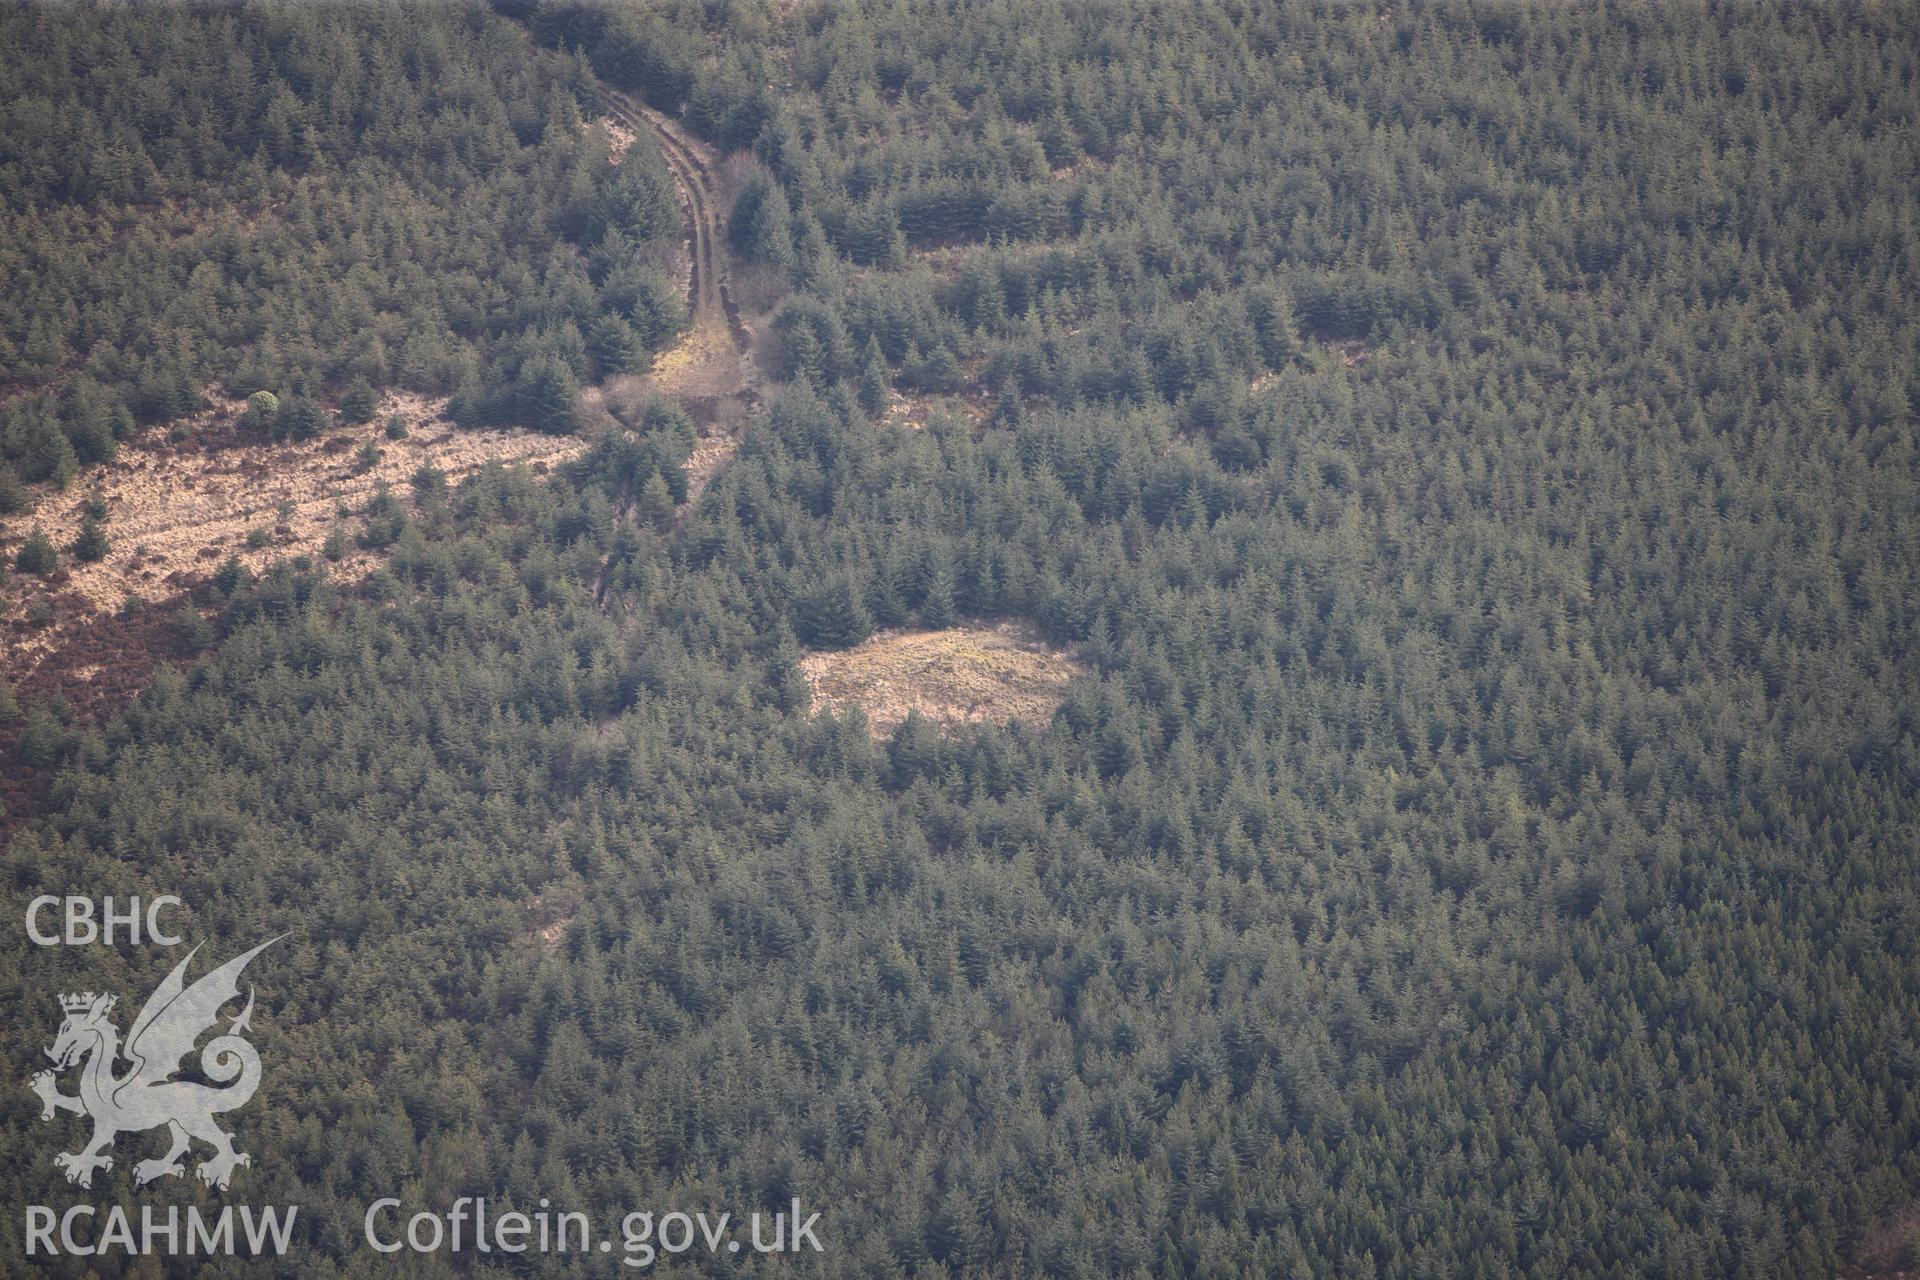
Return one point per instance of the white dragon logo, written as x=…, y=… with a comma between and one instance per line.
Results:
x=146, y=1096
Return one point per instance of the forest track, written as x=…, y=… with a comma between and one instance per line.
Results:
x=709, y=295
x=711, y=369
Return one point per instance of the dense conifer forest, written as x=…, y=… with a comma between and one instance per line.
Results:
x=1471, y=447
x=340, y=201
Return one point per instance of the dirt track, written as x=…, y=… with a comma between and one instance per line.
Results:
x=177, y=512
x=710, y=370
x=709, y=296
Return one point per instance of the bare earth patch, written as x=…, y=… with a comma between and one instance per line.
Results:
x=704, y=372
x=181, y=500
x=961, y=675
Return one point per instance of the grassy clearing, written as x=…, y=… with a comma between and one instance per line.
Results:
x=961, y=675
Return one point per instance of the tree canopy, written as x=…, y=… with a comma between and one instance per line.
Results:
x=1472, y=450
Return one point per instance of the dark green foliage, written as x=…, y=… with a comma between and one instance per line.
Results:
x=622, y=466
x=761, y=225
x=914, y=751
x=787, y=688
x=386, y=520
x=191, y=631
x=730, y=102
x=14, y=497
x=567, y=24
x=91, y=545
x=876, y=380
x=36, y=554
x=644, y=54
x=429, y=484
x=337, y=543
x=230, y=576
x=347, y=198
x=636, y=204
x=547, y=391
x=937, y=370
x=813, y=342
x=41, y=739
x=648, y=301
x=299, y=418
x=1470, y=449
x=615, y=345
x=937, y=607
x=831, y=615
x=885, y=596
x=1235, y=449
x=654, y=506
x=33, y=441
x=357, y=405
x=665, y=418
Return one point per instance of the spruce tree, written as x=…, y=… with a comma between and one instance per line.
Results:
x=654, y=506
x=876, y=380
x=91, y=546
x=937, y=608
x=548, y=392
x=36, y=554
x=14, y=497
x=831, y=616
x=357, y=405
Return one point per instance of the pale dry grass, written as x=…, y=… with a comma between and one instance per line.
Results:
x=557, y=918
x=703, y=364
x=713, y=452
x=706, y=372
x=1353, y=352
x=619, y=138
x=174, y=513
x=969, y=674
x=917, y=412
x=1085, y=164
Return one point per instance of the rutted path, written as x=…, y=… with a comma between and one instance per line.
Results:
x=178, y=512
x=710, y=370
x=709, y=296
